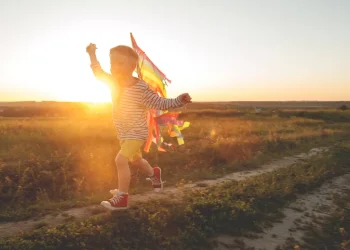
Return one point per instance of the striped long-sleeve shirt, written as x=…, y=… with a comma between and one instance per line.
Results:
x=131, y=104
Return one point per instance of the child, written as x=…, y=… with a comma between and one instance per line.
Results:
x=131, y=100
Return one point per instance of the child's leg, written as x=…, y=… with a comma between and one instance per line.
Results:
x=155, y=174
x=123, y=172
x=119, y=201
x=143, y=165
x=130, y=149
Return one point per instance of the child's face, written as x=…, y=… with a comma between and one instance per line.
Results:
x=122, y=65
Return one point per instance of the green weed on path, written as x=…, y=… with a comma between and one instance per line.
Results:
x=328, y=232
x=335, y=232
x=233, y=207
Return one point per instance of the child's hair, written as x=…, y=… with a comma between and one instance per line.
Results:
x=125, y=50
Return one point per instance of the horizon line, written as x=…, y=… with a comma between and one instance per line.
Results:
x=192, y=102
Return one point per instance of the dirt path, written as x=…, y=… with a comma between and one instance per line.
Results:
x=317, y=204
x=11, y=228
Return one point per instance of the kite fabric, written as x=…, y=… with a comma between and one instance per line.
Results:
x=157, y=81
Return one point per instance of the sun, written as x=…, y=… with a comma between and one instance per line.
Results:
x=92, y=93
x=97, y=93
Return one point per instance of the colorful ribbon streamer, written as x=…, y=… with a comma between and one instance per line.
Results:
x=156, y=79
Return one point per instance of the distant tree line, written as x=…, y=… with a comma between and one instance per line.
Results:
x=63, y=111
x=35, y=111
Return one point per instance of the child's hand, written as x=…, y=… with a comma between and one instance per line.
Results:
x=91, y=48
x=185, y=98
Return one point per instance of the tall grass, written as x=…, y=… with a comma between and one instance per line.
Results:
x=50, y=160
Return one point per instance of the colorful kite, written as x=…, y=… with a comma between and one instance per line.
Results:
x=156, y=79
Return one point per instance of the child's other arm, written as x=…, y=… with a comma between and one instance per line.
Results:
x=152, y=100
x=99, y=73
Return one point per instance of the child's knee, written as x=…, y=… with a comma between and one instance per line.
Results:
x=136, y=161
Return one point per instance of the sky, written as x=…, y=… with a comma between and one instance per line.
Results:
x=215, y=50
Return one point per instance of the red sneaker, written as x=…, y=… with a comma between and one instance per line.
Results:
x=118, y=202
x=156, y=179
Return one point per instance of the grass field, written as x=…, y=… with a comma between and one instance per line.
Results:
x=68, y=162
x=50, y=164
x=248, y=205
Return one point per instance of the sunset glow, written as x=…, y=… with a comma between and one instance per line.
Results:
x=90, y=93
x=230, y=50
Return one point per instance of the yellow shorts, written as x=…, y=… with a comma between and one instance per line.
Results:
x=131, y=149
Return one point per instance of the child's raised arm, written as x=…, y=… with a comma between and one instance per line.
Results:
x=152, y=100
x=99, y=73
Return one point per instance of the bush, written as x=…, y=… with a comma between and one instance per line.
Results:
x=343, y=107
